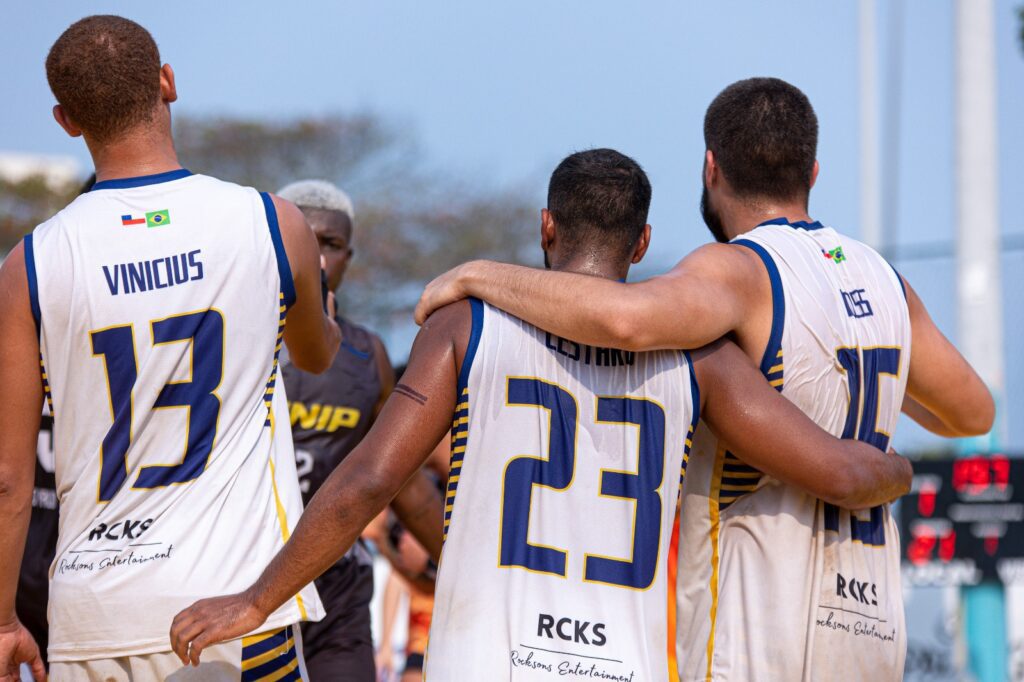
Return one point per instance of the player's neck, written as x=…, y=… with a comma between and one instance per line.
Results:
x=742, y=218
x=586, y=265
x=135, y=154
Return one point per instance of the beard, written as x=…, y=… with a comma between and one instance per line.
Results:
x=711, y=217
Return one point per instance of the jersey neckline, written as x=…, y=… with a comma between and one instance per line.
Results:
x=142, y=180
x=800, y=224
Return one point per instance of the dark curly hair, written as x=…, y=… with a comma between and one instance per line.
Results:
x=104, y=71
x=764, y=135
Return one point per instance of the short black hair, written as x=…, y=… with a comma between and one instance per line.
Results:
x=105, y=71
x=764, y=135
x=599, y=196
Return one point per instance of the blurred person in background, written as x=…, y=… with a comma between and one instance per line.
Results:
x=330, y=413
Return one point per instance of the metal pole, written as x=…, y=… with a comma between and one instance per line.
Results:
x=979, y=290
x=870, y=199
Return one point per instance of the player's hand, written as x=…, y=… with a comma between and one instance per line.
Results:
x=17, y=647
x=385, y=662
x=211, y=621
x=445, y=289
x=907, y=471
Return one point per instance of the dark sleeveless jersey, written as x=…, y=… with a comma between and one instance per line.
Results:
x=331, y=412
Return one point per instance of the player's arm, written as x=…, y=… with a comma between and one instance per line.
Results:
x=701, y=299
x=944, y=393
x=416, y=416
x=770, y=433
x=420, y=508
x=19, y=424
x=311, y=334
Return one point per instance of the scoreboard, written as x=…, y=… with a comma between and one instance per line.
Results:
x=963, y=521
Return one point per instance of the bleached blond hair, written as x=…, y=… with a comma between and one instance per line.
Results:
x=318, y=194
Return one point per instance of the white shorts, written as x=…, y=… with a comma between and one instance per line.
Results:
x=274, y=655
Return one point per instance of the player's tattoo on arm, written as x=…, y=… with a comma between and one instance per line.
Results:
x=402, y=389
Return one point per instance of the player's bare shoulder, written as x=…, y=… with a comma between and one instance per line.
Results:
x=453, y=322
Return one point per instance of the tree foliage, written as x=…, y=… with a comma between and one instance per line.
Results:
x=411, y=223
x=28, y=202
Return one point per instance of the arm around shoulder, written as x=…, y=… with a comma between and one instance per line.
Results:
x=701, y=299
x=772, y=434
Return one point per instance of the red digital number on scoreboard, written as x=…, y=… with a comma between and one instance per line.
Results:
x=975, y=475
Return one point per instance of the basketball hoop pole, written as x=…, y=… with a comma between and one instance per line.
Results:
x=979, y=291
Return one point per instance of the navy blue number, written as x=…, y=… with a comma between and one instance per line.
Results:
x=644, y=486
x=556, y=472
x=522, y=473
x=862, y=424
x=205, y=331
x=117, y=346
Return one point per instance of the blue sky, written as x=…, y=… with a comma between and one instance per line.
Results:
x=499, y=92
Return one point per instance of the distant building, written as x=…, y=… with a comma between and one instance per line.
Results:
x=57, y=171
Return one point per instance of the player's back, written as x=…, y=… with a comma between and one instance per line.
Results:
x=161, y=303
x=775, y=584
x=566, y=464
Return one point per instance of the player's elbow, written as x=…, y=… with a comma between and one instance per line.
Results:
x=978, y=418
x=843, y=491
x=314, y=363
x=627, y=330
x=316, y=358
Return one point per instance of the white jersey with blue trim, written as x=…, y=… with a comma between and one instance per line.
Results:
x=160, y=304
x=566, y=468
x=773, y=583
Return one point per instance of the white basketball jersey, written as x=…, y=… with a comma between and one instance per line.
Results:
x=773, y=583
x=160, y=303
x=566, y=466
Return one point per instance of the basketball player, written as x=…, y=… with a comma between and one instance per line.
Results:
x=150, y=313
x=330, y=414
x=775, y=584
x=568, y=459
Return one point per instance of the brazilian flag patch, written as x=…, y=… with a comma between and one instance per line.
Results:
x=158, y=218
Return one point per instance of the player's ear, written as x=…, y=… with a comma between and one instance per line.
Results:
x=168, y=90
x=642, y=243
x=62, y=119
x=547, y=229
x=710, y=168
x=814, y=174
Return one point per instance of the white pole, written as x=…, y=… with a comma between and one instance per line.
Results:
x=870, y=186
x=979, y=289
x=979, y=286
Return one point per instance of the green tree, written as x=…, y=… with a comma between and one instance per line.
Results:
x=28, y=202
x=412, y=223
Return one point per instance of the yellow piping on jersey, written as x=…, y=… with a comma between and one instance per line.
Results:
x=282, y=519
x=716, y=484
x=259, y=660
x=281, y=672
